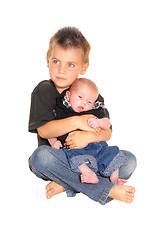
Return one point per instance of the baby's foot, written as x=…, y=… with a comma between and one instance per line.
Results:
x=122, y=193
x=114, y=176
x=53, y=189
x=121, y=181
x=89, y=177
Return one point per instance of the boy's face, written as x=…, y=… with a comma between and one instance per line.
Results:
x=65, y=65
x=82, y=99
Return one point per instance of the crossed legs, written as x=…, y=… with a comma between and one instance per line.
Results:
x=41, y=165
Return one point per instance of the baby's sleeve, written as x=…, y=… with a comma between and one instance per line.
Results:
x=100, y=111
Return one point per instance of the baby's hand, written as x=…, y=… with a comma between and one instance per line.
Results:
x=57, y=144
x=93, y=122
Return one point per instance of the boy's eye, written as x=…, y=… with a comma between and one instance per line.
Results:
x=89, y=102
x=56, y=62
x=79, y=96
x=71, y=65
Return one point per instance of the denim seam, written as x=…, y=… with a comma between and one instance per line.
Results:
x=104, y=196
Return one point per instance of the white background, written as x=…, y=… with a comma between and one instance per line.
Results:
x=127, y=62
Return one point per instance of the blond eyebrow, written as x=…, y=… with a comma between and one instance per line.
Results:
x=72, y=62
x=67, y=62
x=55, y=59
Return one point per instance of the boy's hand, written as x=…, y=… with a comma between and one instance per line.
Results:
x=77, y=139
x=80, y=139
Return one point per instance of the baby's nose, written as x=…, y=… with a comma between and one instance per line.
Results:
x=83, y=103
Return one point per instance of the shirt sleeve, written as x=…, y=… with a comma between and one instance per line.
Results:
x=43, y=100
x=101, y=113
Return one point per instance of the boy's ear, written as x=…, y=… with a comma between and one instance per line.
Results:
x=47, y=59
x=84, y=68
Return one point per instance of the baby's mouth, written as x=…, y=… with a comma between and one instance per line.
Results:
x=80, y=109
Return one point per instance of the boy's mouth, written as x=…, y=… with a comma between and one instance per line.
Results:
x=60, y=78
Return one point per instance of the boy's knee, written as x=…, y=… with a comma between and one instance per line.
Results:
x=39, y=157
x=131, y=163
x=129, y=166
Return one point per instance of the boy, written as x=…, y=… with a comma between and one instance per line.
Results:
x=67, y=57
x=81, y=99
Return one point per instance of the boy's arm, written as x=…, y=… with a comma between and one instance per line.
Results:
x=56, y=128
x=73, y=139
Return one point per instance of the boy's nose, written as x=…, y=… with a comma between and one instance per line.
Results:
x=61, y=69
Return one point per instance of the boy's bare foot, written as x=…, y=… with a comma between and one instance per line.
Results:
x=89, y=177
x=122, y=193
x=53, y=189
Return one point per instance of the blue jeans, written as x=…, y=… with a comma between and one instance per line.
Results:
x=104, y=161
x=102, y=155
x=51, y=164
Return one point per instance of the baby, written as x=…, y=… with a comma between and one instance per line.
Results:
x=81, y=99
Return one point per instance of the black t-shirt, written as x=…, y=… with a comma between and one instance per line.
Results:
x=43, y=102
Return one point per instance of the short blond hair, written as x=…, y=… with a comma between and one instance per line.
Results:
x=70, y=37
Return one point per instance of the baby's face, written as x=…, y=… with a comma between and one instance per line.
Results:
x=82, y=99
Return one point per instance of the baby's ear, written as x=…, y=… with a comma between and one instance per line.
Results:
x=68, y=95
